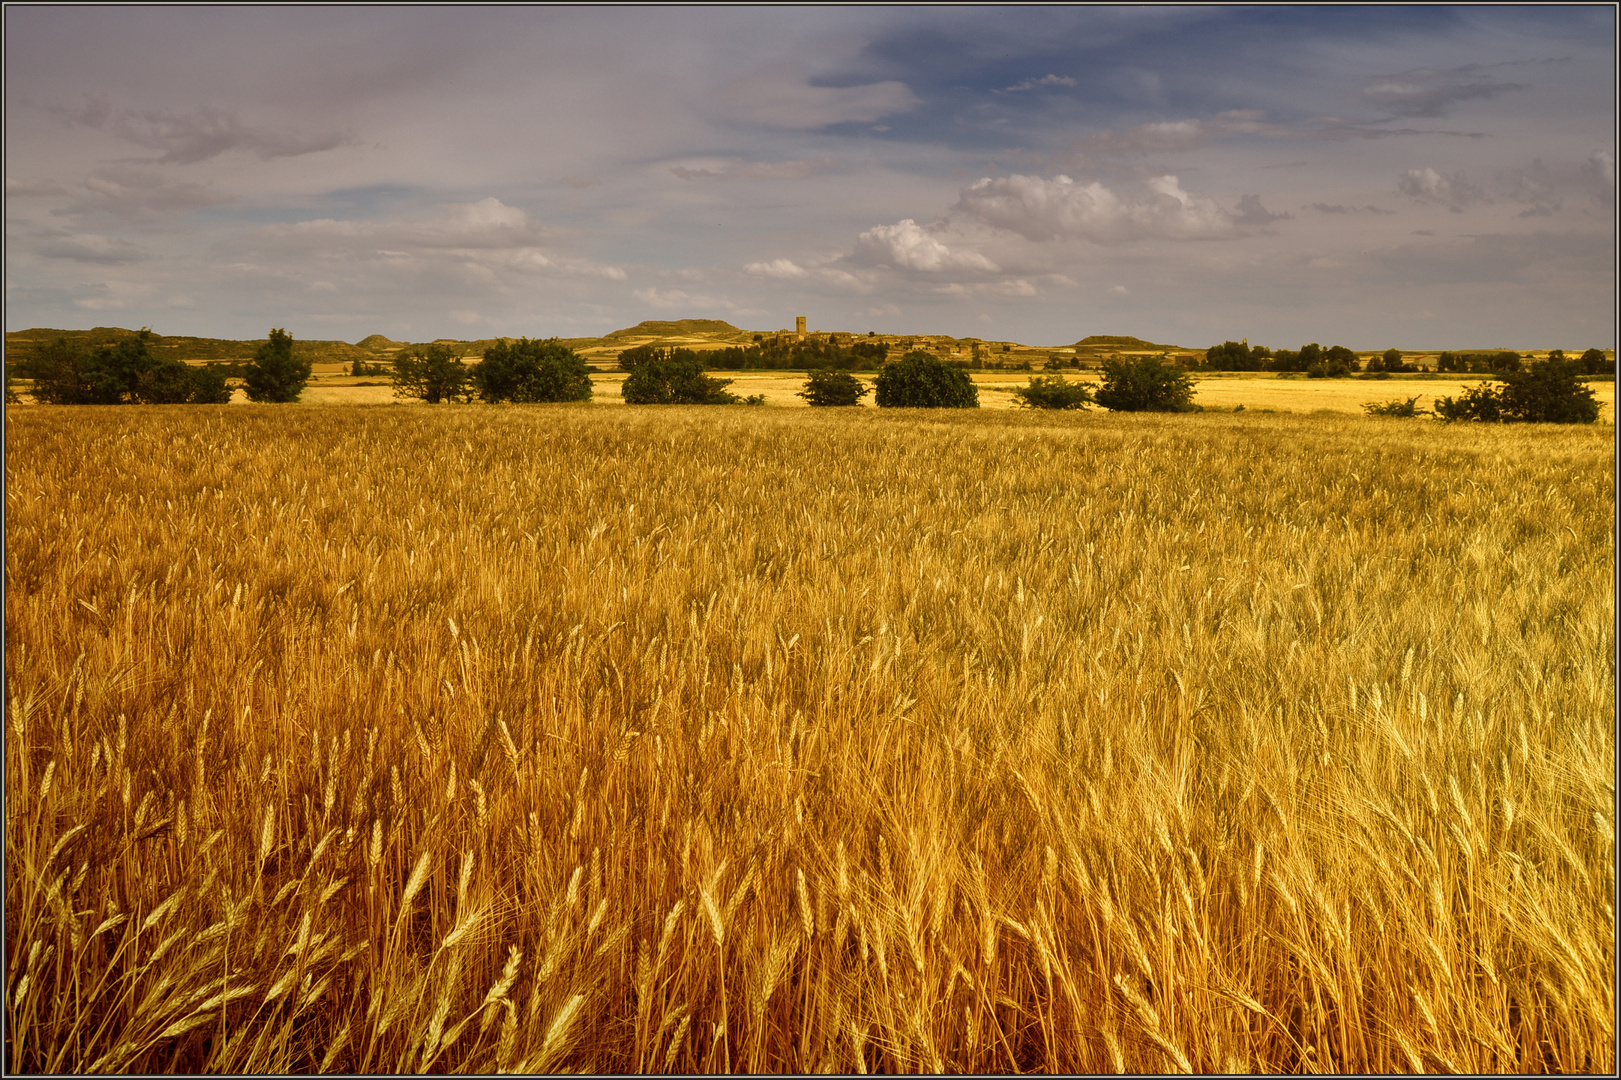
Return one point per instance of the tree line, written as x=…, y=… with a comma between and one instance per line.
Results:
x=1337, y=361
x=533, y=371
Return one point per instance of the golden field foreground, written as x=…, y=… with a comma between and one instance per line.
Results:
x=558, y=738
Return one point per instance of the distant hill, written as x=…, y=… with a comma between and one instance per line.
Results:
x=22, y=344
x=678, y=328
x=1117, y=341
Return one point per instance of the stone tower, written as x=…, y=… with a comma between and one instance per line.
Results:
x=799, y=326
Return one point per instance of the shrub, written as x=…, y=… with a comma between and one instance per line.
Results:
x=833, y=388
x=527, y=372
x=1053, y=392
x=276, y=375
x=665, y=380
x=433, y=375
x=920, y=380
x=1546, y=394
x=1395, y=408
x=1145, y=384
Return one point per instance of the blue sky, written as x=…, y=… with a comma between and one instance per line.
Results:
x=1424, y=177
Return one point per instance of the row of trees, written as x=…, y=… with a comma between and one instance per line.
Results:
x=128, y=373
x=1334, y=362
x=1337, y=361
x=532, y=371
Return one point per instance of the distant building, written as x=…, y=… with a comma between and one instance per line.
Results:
x=799, y=326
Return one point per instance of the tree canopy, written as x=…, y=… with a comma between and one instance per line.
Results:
x=920, y=380
x=1548, y=393
x=276, y=375
x=1145, y=384
x=671, y=380
x=123, y=373
x=527, y=372
x=833, y=388
x=433, y=374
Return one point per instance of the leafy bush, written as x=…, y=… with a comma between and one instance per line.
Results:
x=666, y=380
x=526, y=372
x=276, y=375
x=1053, y=392
x=827, y=387
x=920, y=380
x=123, y=373
x=433, y=375
x=1145, y=384
x=1549, y=393
x=1395, y=408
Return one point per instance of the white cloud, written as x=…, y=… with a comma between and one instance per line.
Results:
x=1040, y=209
x=485, y=225
x=777, y=268
x=1453, y=192
x=907, y=245
x=782, y=97
x=1031, y=84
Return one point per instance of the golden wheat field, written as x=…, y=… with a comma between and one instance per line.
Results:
x=559, y=738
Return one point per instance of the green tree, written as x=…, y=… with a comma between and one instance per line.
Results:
x=1335, y=362
x=1232, y=356
x=827, y=387
x=667, y=380
x=526, y=372
x=1548, y=393
x=1145, y=384
x=123, y=373
x=433, y=375
x=1053, y=392
x=920, y=380
x=276, y=375
x=1594, y=362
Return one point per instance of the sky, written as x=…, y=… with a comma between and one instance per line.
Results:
x=1409, y=176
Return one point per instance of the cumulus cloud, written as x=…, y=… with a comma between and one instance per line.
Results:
x=906, y=245
x=777, y=268
x=753, y=170
x=1453, y=192
x=1040, y=209
x=198, y=136
x=783, y=98
x=1429, y=93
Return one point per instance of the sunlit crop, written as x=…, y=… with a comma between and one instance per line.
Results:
x=549, y=738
